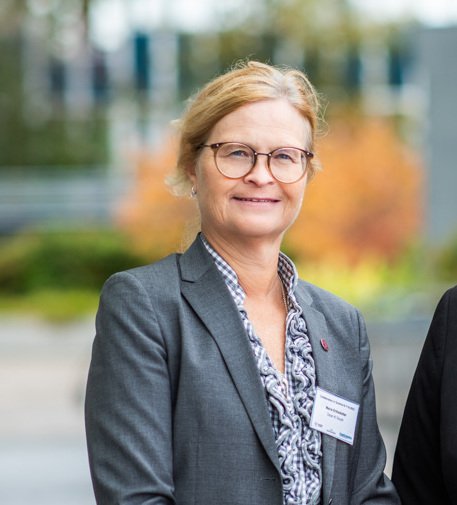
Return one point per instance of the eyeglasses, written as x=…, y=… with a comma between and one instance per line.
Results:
x=235, y=160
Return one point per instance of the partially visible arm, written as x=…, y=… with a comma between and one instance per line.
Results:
x=370, y=484
x=417, y=471
x=128, y=401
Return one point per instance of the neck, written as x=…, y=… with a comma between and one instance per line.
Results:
x=255, y=261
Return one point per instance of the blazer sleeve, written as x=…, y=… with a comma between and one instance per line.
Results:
x=370, y=484
x=128, y=400
x=417, y=469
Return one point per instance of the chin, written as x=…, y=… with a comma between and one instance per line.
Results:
x=257, y=231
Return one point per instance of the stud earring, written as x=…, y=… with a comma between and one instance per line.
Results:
x=193, y=192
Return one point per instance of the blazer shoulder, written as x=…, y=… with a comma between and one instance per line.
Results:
x=450, y=296
x=158, y=276
x=443, y=328
x=445, y=312
x=324, y=300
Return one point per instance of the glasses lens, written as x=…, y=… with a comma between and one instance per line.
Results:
x=288, y=164
x=234, y=160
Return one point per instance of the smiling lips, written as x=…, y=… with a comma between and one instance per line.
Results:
x=256, y=200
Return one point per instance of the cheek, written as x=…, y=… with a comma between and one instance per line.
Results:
x=298, y=196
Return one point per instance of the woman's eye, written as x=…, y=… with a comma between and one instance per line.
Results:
x=239, y=153
x=287, y=156
x=284, y=157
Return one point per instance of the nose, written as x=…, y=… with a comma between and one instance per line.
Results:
x=260, y=173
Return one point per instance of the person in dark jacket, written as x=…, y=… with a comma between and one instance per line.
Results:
x=425, y=462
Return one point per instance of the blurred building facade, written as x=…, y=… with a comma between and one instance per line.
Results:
x=437, y=73
x=130, y=94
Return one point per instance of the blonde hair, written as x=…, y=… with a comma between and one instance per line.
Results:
x=246, y=82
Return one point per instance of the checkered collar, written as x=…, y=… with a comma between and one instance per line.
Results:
x=286, y=270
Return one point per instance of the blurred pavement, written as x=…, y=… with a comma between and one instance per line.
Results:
x=42, y=447
x=395, y=347
x=43, y=370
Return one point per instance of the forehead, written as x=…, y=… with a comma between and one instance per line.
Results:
x=271, y=123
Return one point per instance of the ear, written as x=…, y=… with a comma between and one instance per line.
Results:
x=192, y=177
x=192, y=173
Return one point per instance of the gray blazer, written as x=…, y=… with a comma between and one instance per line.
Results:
x=175, y=409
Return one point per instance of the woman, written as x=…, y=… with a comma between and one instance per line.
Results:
x=218, y=377
x=425, y=462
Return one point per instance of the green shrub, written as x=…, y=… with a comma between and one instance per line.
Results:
x=52, y=305
x=60, y=260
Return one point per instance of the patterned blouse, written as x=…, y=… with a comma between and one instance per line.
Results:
x=290, y=396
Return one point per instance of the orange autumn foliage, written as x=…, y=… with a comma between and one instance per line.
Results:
x=365, y=203
x=154, y=219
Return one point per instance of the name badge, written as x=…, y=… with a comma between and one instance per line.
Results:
x=334, y=416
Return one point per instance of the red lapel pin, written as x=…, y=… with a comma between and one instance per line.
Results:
x=324, y=344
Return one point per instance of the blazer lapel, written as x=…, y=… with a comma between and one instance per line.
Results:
x=205, y=290
x=326, y=377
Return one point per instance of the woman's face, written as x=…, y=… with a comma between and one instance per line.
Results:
x=256, y=205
